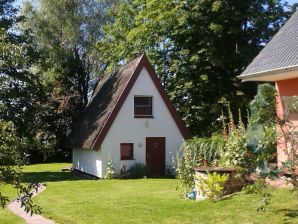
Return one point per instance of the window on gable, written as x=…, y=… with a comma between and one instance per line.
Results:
x=143, y=106
x=126, y=151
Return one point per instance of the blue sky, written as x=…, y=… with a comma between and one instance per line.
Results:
x=292, y=1
x=18, y=2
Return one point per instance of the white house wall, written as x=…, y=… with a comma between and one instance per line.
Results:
x=127, y=129
x=88, y=161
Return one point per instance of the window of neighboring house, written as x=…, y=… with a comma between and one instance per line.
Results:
x=126, y=151
x=143, y=106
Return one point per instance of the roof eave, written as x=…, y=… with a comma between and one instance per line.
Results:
x=272, y=75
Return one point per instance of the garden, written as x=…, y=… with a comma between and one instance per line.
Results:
x=53, y=55
x=74, y=198
x=241, y=157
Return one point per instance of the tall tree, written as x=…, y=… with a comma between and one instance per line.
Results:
x=66, y=33
x=198, y=47
x=19, y=88
x=17, y=91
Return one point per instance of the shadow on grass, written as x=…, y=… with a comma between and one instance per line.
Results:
x=227, y=197
x=290, y=216
x=40, y=177
x=144, y=177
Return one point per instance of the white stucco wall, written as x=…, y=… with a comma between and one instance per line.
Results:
x=127, y=129
x=88, y=161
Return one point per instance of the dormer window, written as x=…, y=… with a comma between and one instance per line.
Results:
x=143, y=107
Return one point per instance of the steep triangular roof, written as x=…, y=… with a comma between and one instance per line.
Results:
x=278, y=56
x=108, y=97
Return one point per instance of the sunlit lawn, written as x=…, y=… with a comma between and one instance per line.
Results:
x=6, y=217
x=71, y=199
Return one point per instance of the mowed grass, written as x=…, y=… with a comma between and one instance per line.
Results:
x=72, y=199
x=6, y=216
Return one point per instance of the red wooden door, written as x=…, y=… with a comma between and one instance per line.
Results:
x=155, y=155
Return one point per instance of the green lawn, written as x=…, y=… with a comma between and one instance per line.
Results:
x=6, y=217
x=71, y=199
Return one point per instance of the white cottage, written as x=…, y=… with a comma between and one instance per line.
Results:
x=130, y=118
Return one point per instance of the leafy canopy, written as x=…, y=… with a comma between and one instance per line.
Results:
x=198, y=48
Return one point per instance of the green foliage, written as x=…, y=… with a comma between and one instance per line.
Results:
x=266, y=200
x=65, y=35
x=262, y=137
x=256, y=188
x=194, y=151
x=208, y=149
x=235, y=151
x=19, y=88
x=263, y=107
x=261, y=131
x=55, y=116
x=11, y=159
x=18, y=93
x=184, y=169
x=197, y=48
x=137, y=170
x=262, y=142
x=259, y=187
x=110, y=172
x=212, y=186
x=228, y=148
x=287, y=137
x=10, y=52
x=292, y=107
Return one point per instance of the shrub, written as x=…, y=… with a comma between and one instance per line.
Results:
x=261, y=141
x=261, y=131
x=184, y=169
x=263, y=106
x=213, y=185
x=256, y=188
x=110, y=172
x=137, y=170
x=170, y=172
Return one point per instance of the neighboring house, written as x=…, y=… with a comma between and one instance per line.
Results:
x=278, y=62
x=130, y=119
